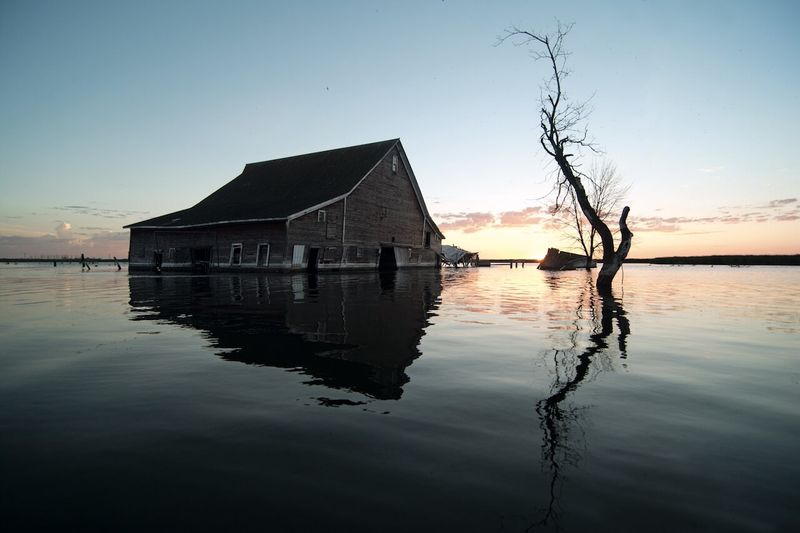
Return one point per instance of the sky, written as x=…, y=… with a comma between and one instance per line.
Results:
x=114, y=112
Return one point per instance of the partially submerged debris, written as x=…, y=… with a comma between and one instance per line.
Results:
x=558, y=260
x=455, y=257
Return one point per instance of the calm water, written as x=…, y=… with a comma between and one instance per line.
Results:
x=470, y=400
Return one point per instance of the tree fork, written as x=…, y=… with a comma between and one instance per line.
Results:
x=613, y=263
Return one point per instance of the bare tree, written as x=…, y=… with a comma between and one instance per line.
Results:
x=606, y=191
x=563, y=136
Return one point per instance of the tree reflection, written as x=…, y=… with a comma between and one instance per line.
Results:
x=574, y=366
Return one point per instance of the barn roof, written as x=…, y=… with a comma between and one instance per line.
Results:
x=281, y=188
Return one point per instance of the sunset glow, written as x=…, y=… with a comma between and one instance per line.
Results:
x=114, y=113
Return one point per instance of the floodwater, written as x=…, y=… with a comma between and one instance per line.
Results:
x=490, y=399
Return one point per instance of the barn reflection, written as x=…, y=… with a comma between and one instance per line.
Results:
x=357, y=332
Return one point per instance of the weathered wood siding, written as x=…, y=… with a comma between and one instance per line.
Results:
x=175, y=246
x=322, y=229
x=384, y=210
x=250, y=236
x=138, y=246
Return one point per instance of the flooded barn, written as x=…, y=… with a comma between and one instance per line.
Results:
x=351, y=208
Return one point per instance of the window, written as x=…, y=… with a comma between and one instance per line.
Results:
x=427, y=239
x=236, y=254
x=322, y=216
x=329, y=254
x=262, y=255
x=330, y=231
x=394, y=164
x=356, y=254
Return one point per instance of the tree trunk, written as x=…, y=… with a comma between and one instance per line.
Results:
x=613, y=261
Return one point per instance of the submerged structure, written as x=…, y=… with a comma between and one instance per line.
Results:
x=458, y=257
x=558, y=260
x=351, y=208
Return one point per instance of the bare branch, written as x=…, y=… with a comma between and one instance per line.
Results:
x=564, y=135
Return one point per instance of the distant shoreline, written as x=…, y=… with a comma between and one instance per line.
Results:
x=747, y=260
x=59, y=260
x=765, y=260
x=744, y=260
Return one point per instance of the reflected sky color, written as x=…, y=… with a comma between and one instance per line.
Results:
x=113, y=112
x=489, y=399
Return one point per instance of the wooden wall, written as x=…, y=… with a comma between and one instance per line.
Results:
x=384, y=209
x=175, y=245
x=312, y=231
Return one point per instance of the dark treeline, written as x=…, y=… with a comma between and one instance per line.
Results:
x=777, y=260
x=782, y=260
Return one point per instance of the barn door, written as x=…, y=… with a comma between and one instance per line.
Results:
x=388, y=261
x=313, y=259
x=298, y=252
x=201, y=259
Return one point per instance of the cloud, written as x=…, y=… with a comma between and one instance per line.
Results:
x=526, y=217
x=64, y=230
x=101, y=239
x=673, y=224
x=19, y=240
x=477, y=221
x=654, y=224
x=98, y=212
x=466, y=222
x=780, y=203
x=106, y=244
x=780, y=210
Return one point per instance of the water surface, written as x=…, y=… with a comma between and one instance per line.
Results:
x=470, y=400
